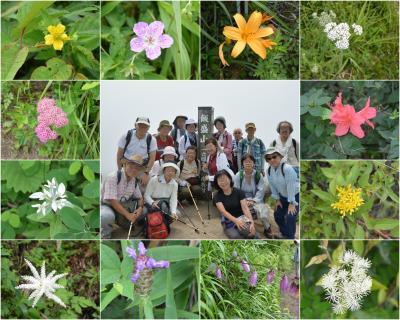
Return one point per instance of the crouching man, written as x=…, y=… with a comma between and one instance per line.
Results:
x=122, y=202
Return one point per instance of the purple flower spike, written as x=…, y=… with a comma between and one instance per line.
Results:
x=218, y=273
x=294, y=288
x=284, y=284
x=270, y=276
x=151, y=39
x=253, y=279
x=142, y=261
x=245, y=266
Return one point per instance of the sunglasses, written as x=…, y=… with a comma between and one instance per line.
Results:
x=270, y=158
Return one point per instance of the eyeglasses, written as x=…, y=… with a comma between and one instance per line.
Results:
x=270, y=158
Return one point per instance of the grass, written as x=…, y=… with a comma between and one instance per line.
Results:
x=373, y=55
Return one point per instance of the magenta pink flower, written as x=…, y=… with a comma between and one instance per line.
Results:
x=151, y=39
x=245, y=266
x=49, y=114
x=253, y=279
x=347, y=119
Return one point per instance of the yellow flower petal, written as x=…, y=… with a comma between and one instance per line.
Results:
x=257, y=47
x=64, y=37
x=254, y=22
x=221, y=55
x=232, y=33
x=265, y=18
x=263, y=32
x=58, y=45
x=240, y=21
x=49, y=40
x=51, y=29
x=60, y=28
x=238, y=48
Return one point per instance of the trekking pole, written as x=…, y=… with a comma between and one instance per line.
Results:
x=181, y=221
x=184, y=212
x=197, y=208
x=130, y=226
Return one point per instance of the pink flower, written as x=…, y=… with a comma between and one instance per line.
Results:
x=253, y=279
x=346, y=118
x=245, y=266
x=151, y=39
x=270, y=276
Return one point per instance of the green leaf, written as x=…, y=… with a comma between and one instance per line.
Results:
x=74, y=167
x=12, y=59
x=359, y=233
x=90, y=85
x=21, y=180
x=14, y=220
x=170, y=307
x=376, y=285
x=72, y=219
x=27, y=12
x=55, y=69
x=92, y=190
x=174, y=253
x=338, y=253
x=88, y=173
x=110, y=265
x=358, y=247
x=56, y=227
x=386, y=224
x=325, y=196
x=317, y=259
x=148, y=309
x=108, y=297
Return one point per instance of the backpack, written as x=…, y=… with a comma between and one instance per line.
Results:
x=257, y=141
x=128, y=139
x=294, y=143
x=283, y=172
x=181, y=164
x=119, y=176
x=156, y=226
x=257, y=177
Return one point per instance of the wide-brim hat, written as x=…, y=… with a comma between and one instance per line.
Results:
x=177, y=117
x=143, y=120
x=136, y=159
x=272, y=151
x=170, y=164
x=169, y=150
x=189, y=122
x=164, y=123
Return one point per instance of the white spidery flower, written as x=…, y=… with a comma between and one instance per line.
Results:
x=42, y=284
x=53, y=197
x=358, y=30
x=346, y=285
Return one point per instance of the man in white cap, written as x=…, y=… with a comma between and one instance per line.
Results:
x=189, y=139
x=116, y=194
x=138, y=141
x=162, y=190
x=169, y=155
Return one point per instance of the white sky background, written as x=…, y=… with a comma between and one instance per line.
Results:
x=263, y=102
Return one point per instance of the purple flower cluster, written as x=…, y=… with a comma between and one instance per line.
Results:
x=142, y=261
x=49, y=114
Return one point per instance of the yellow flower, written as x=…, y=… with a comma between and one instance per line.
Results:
x=56, y=36
x=248, y=33
x=349, y=200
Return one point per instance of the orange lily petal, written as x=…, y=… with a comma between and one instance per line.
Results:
x=268, y=43
x=238, y=48
x=254, y=22
x=263, y=32
x=265, y=18
x=240, y=21
x=232, y=33
x=257, y=47
x=221, y=55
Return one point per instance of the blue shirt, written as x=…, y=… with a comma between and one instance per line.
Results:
x=287, y=186
x=256, y=148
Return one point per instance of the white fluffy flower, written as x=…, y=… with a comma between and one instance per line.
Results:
x=358, y=30
x=346, y=285
x=314, y=68
x=53, y=197
x=42, y=284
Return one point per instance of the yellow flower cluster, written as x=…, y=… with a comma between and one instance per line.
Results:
x=349, y=200
x=57, y=36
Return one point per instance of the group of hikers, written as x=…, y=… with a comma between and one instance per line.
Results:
x=156, y=173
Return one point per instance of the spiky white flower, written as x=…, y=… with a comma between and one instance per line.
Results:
x=53, y=197
x=42, y=284
x=347, y=284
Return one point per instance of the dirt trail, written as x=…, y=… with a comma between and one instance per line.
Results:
x=212, y=227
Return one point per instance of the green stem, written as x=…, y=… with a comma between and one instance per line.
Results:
x=141, y=308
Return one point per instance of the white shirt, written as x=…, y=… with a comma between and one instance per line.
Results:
x=159, y=188
x=137, y=146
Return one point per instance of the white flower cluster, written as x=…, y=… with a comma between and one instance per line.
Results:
x=53, y=197
x=338, y=33
x=347, y=284
x=42, y=284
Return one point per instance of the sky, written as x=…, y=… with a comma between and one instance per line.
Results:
x=265, y=103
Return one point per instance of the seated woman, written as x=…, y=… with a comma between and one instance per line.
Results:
x=189, y=176
x=231, y=203
x=162, y=191
x=285, y=188
x=168, y=155
x=251, y=182
x=216, y=160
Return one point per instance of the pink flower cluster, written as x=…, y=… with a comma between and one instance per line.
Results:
x=49, y=114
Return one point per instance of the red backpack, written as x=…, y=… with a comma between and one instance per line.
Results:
x=156, y=226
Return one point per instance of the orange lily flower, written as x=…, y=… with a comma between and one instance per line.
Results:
x=248, y=33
